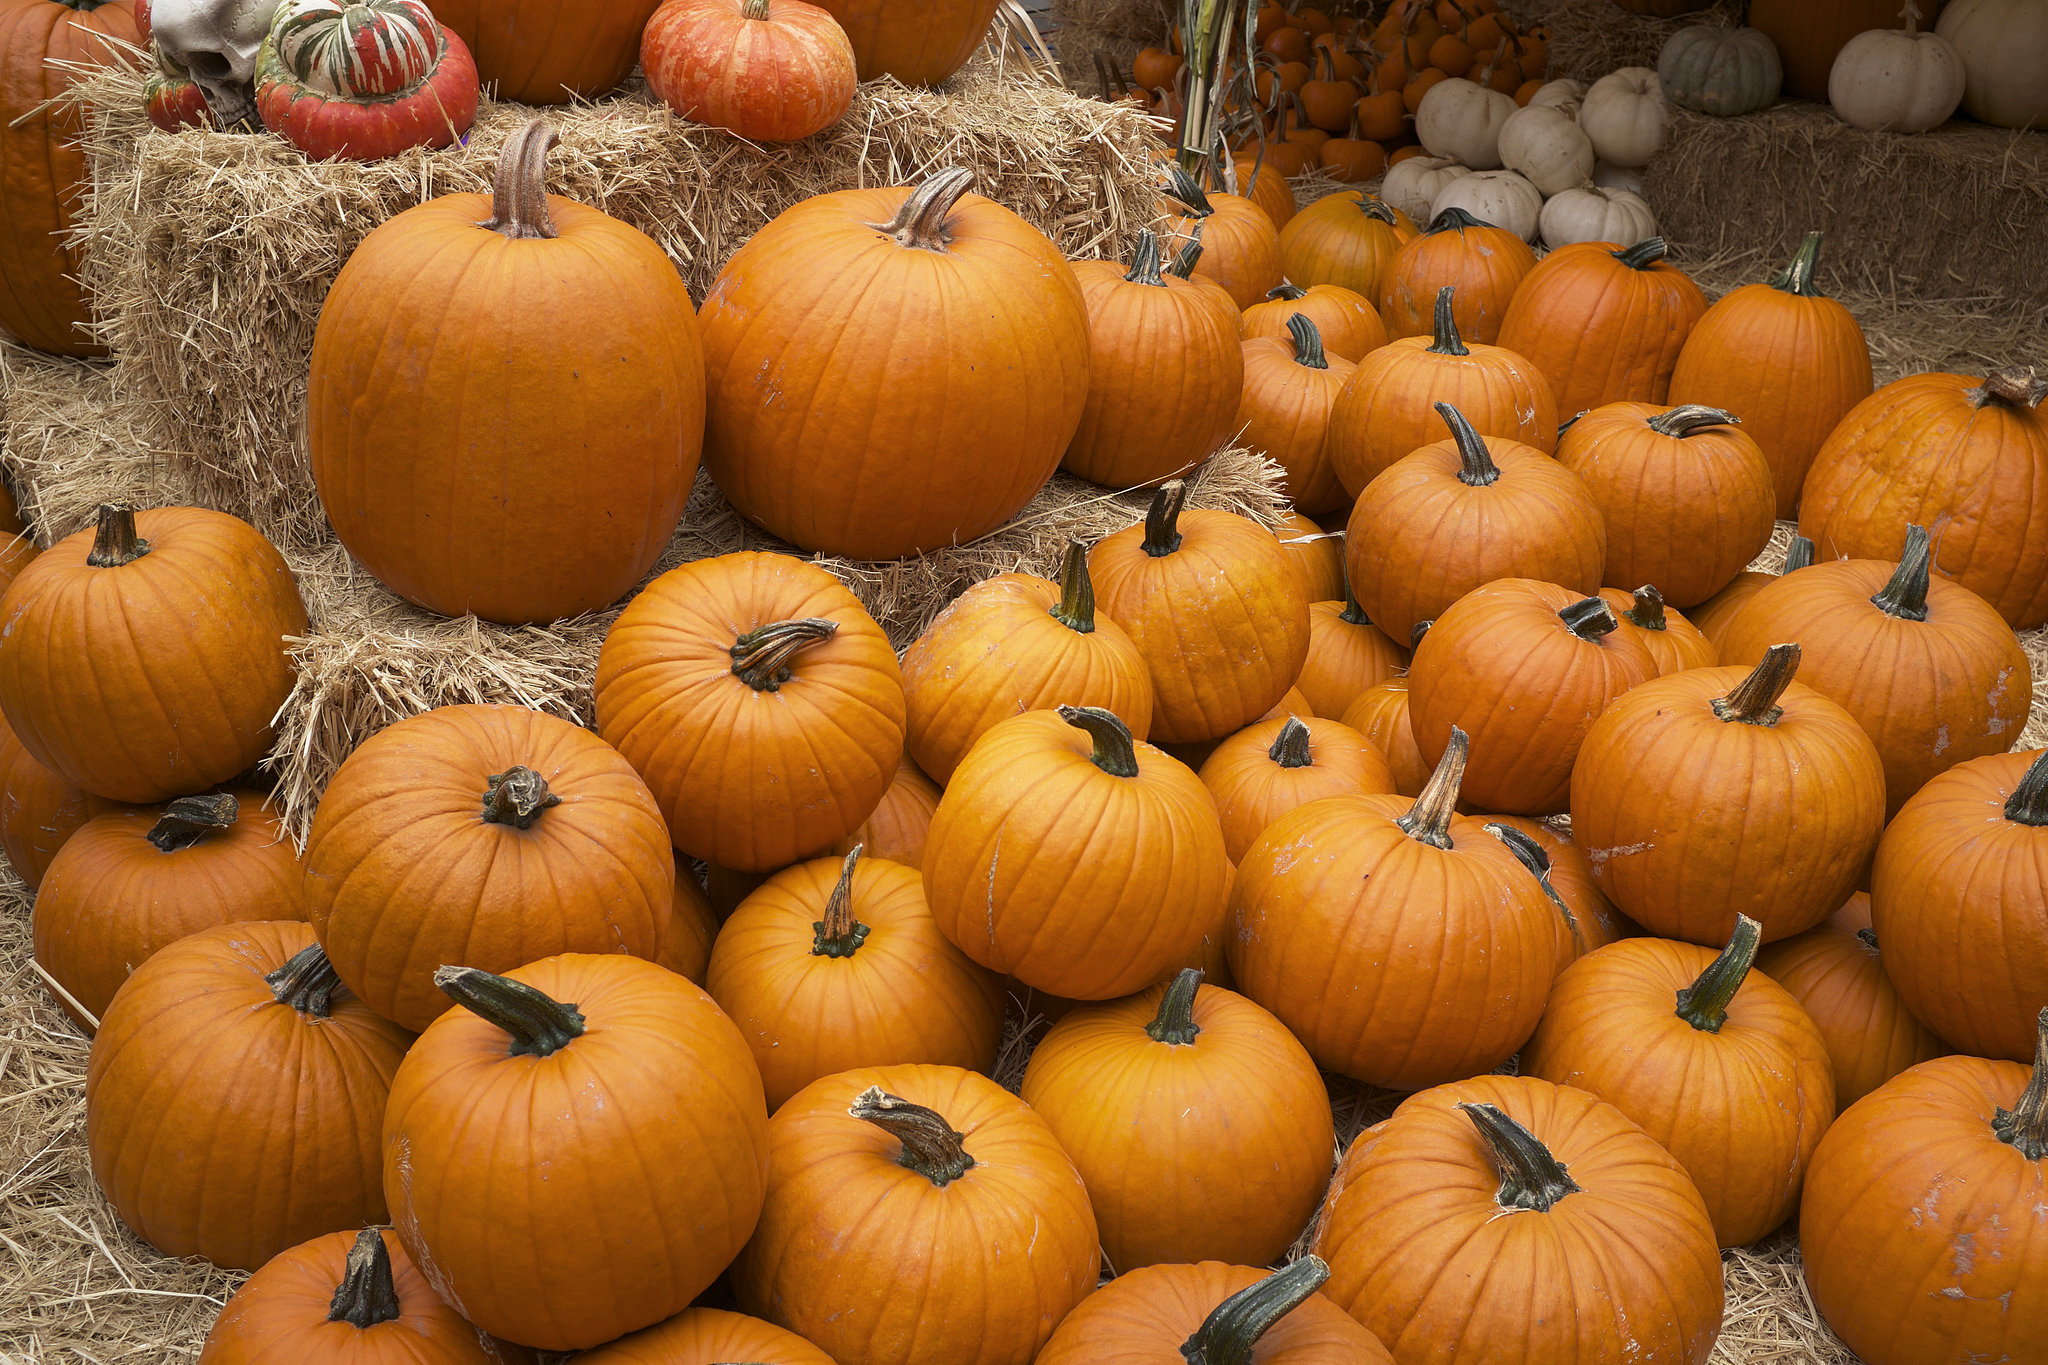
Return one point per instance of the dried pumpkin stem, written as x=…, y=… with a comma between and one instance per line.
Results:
x=1531, y=855
x=930, y=1146
x=1145, y=261
x=1188, y=191
x=1643, y=255
x=306, y=982
x=367, y=1296
x=538, y=1025
x=921, y=224
x=1428, y=821
x=114, y=542
x=1353, y=614
x=1291, y=749
x=2028, y=804
x=1447, y=341
x=1076, y=607
x=839, y=934
x=1453, y=219
x=1375, y=208
x=1189, y=256
x=1905, y=596
x=1530, y=1176
x=1798, y=555
x=1704, y=1004
x=1287, y=290
x=1162, y=519
x=1476, y=468
x=1308, y=343
x=2015, y=386
x=1590, y=618
x=1175, y=1022
x=761, y=657
x=1114, y=753
x=1755, y=699
x=2025, y=1125
x=754, y=9
x=1689, y=418
x=1230, y=1334
x=1648, y=612
x=1416, y=632
x=192, y=819
x=516, y=797
x=1867, y=936
x=519, y=196
x=1797, y=276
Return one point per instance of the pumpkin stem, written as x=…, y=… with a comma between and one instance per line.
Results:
x=930, y=1146
x=1114, y=752
x=1531, y=855
x=1798, y=555
x=1704, y=1004
x=1188, y=191
x=1189, y=256
x=1175, y=1022
x=1375, y=208
x=1308, y=343
x=519, y=196
x=306, y=982
x=921, y=223
x=1231, y=1332
x=1353, y=614
x=192, y=819
x=1568, y=423
x=1416, y=632
x=1589, y=618
x=367, y=1296
x=2015, y=386
x=1755, y=699
x=760, y=658
x=538, y=1025
x=1643, y=255
x=1290, y=750
x=115, y=543
x=1447, y=341
x=1076, y=608
x=1428, y=821
x=1688, y=418
x=1905, y=596
x=1648, y=612
x=1287, y=290
x=1530, y=1177
x=2025, y=1125
x=1797, y=276
x=1162, y=519
x=2028, y=804
x=839, y=934
x=1453, y=219
x=1867, y=936
x=1476, y=468
x=1145, y=260
x=754, y=9
x=516, y=797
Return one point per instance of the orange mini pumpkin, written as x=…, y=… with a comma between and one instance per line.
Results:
x=1347, y=654
x=1170, y=1314
x=1345, y=239
x=897, y=829
x=1604, y=324
x=1347, y=322
x=1483, y=263
x=1284, y=411
x=1240, y=245
x=1380, y=713
x=708, y=1336
x=533, y=52
x=39, y=811
x=1266, y=770
x=1675, y=643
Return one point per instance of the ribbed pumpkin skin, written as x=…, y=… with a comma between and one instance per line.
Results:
x=1240, y=248
x=752, y=780
x=1742, y=1109
x=1393, y=962
x=1869, y=1241
x=404, y=875
x=184, y=645
x=1678, y=646
x=1336, y=241
x=1215, y=1149
x=1043, y=866
x=879, y=1266
x=918, y=44
x=1690, y=819
x=871, y=399
x=39, y=810
x=1840, y=981
x=1349, y=324
x=1284, y=413
x=1485, y=264
x=45, y=170
x=621, y=1172
x=1594, y=919
x=1602, y=331
x=904, y=995
x=709, y=1336
x=1918, y=451
x=1143, y=1318
x=1959, y=900
x=1344, y=659
x=1253, y=789
x=692, y=928
x=774, y=77
x=112, y=898
x=1380, y=713
x=586, y=343
x=997, y=651
x=1718, y=613
x=897, y=829
x=1421, y=1251
x=550, y=51
x=225, y=1124
x=1504, y=667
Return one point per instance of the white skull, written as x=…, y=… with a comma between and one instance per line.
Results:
x=217, y=41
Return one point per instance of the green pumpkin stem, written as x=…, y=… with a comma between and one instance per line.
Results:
x=1704, y=1004
x=307, y=982
x=1145, y=260
x=1188, y=191
x=1114, y=753
x=761, y=657
x=1353, y=614
x=2015, y=386
x=1755, y=699
x=1532, y=855
x=1308, y=343
x=1905, y=596
x=1291, y=749
x=1530, y=1177
x=2025, y=1125
x=1453, y=220
x=1076, y=607
x=1189, y=256
x=1798, y=555
x=519, y=195
x=930, y=1146
x=1288, y=290
x=1174, y=1024
x=921, y=223
x=1376, y=208
x=1162, y=519
x=1689, y=418
x=1590, y=618
x=1447, y=341
x=537, y=1025
x=1416, y=632
x=1476, y=468
x=1230, y=1334
x=1643, y=255
x=1797, y=276
x=114, y=542
x=193, y=819
x=1428, y=821
x=516, y=797
x=839, y=934
x=367, y=1296
x=2028, y=804
x=1648, y=612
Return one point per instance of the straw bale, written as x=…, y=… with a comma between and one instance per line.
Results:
x=67, y=444
x=1589, y=38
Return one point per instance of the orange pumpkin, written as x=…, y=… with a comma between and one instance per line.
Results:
x=686, y=947
x=1592, y=920
x=1125, y=868
x=550, y=51
x=1717, y=613
x=1240, y=245
x=1348, y=325
x=1604, y=324
x=761, y=703
x=233, y=1096
x=1483, y=263
x=1347, y=654
x=39, y=811
x=178, y=616
x=918, y=1215
x=1284, y=411
x=897, y=829
x=1169, y=1314
x=608, y=1116
x=482, y=836
x=1344, y=239
x=767, y=71
x=708, y=1336
x=1380, y=713
x=1269, y=190
x=1266, y=770
x=1316, y=555
x=917, y=44
x=1675, y=644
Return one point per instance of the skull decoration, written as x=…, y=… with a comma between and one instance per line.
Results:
x=217, y=41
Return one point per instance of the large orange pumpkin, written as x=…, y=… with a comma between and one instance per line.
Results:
x=481, y=836
x=897, y=829
x=1266, y=770
x=1481, y=1223
x=1604, y=324
x=1212, y=1312
x=1717, y=613
x=1483, y=263
x=39, y=811
x=131, y=881
x=446, y=468
x=1345, y=239
x=609, y=1119
x=1283, y=412
x=233, y=1096
x=177, y=617
x=708, y=1336
x=919, y=42
x=1070, y=856
x=918, y=1215
x=1380, y=713
x=1240, y=248
x=761, y=703
x=1723, y=791
x=550, y=51
x=1347, y=322
x=869, y=395
x=1675, y=643
x=1347, y=654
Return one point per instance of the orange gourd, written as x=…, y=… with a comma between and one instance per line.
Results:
x=897, y=829
x=1345, y=239
x=1380, y=713
x=39, y=811
x=919, y=44
x=1675, y=643
x=1169, y=1314
x=767, y=70
x=1483, y=263
x=1283, y=412
x=1240, y=245
x=1349, y=326
x=1347, y=654
x=1605, y=324
x=1266, y=770
x=708, y=1336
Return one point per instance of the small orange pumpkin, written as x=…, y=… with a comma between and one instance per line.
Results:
x=1380, y=713
x=708, y=1336
x=1347, y=322
x=39, y=811
x=1240, y=245
x=897, y=829
x=1316, y=554
x=686, y=947
x=1605, y=324
x=1345, y=239
x=1170, y=1314
x=1284, y=411
x=1347, y=654
x=768, y=70
x=1483, y=263
x=1594, y=922
x=1266, y=770
x=1675, y=643
x=1269, y=189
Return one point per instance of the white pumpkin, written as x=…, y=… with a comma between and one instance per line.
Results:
x=1413, y=185
x=1563, y=95
x=1542, y=143
x=1721, y=71
x=1897, y=79
x=2004, y=47
x=1501, y=198
x=1591, y=214
x=1609, y=176
x=1462, y=120
x=1624, y=115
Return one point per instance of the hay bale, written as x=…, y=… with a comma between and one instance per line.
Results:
x=1589, y=38
x=67, y=444
x=1113, y=29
